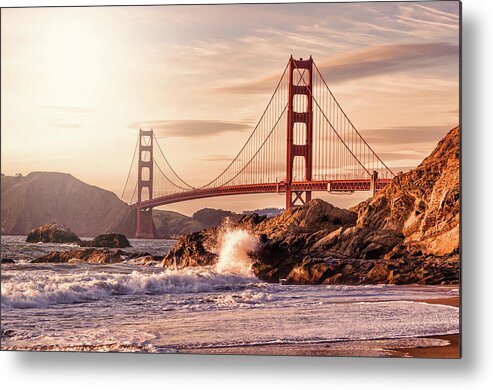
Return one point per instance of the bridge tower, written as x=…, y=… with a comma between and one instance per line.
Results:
x=303, y=88
x=145, y=225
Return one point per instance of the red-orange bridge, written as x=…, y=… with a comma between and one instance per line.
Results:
x=303, y=142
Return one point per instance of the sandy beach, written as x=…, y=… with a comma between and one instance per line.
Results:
x=433, y=347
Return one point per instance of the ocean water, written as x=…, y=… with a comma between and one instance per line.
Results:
x=132, y=308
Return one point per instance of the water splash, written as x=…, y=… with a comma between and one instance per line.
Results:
x=234, y=255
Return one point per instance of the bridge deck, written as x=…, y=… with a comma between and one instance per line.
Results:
x=325, y=185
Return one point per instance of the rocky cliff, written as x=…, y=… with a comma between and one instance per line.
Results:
x=407, y=233
x=417, y=214
x=420, y=207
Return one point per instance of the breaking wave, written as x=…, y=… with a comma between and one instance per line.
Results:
x=39, y=289
x=234, y=255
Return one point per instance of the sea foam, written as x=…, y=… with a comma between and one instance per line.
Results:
x=234, y=255
x=38, y=289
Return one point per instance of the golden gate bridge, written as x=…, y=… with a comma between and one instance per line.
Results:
x=303, y=142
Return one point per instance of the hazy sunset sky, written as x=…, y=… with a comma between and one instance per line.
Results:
x=78, y=83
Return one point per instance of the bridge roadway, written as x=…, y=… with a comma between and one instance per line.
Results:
x=334, y=186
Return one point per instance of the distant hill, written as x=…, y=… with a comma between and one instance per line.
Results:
x=171, y=223
x=44, y=197
x=212, y=217
x=268, y=212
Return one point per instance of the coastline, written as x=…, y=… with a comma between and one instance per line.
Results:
x=431, y=347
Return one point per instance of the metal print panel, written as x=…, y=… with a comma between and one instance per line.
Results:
x=268, y=179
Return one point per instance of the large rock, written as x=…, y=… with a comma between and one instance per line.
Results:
x=208, y=217
x=358, y=242
x=52, y=232
x=110, y=240
x=422, y=204
x=273, y=259
x=88, y=255
x=407, y=233
x=190, y=251
x=315, y=216
x=417, y=213
x=422, y=270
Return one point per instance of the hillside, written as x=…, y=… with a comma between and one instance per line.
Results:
x=45, y=197
x=171, y=223
x=213, y=217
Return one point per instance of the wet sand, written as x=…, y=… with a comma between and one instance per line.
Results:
x=451, y=351
x=433, y=347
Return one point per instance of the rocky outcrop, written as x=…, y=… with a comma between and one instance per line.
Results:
x=314, y=217
x=52, y=232
x=422, y=270
x=422, y=205
x=147, y=260
x=208, y=217
x=407, y=233
x=358, y=242
x=417, y=214
x=110, y=240
x=99, y=256
x=88, y=255
x=190, y=251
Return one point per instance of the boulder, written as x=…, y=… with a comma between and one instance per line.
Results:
x=147, y=260
x=308, y=272
x=190, y=251
x=315, y=216
x=52, y=232
x=110, y=240
x=88, y=255
x=429, y=270
x=423, y=204
x=7, y=260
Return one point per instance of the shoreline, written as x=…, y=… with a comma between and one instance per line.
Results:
x=442, y=346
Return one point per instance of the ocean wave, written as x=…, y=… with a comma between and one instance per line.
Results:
x=39, y=290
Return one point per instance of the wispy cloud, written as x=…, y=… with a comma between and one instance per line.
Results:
x=387, y=59
x=193, y=128
x=373, y=61
x=408, y=135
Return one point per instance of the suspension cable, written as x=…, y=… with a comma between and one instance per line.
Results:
x=130, y=170
x=172, y=170
x=260, y=147
x=349, y=120
x=168, y=179
x=254, y=130
x=335, y=131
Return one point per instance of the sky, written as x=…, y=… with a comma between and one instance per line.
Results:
x=78, y=83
